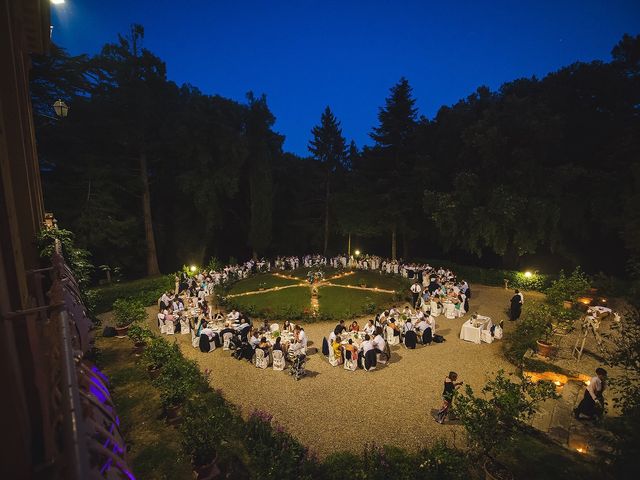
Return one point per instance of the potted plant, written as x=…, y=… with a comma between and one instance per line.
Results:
x=139, y=335
x=493, y=418
x=204, y=422
x=125, y=312
x=157, y=354
x=178, y=380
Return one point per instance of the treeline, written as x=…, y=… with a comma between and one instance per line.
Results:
x=151, y=175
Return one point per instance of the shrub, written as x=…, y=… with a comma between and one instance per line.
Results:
x=127, y=311
x=147, y=291
x=493, y=419
x=568, y=288
x=179, y=380
x=159, y=352
x=206, y=421
x=274, y=454
x=139, y=333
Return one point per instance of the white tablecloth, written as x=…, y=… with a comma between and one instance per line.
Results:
x=472, y=333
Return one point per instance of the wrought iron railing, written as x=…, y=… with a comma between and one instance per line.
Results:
x=80, y=429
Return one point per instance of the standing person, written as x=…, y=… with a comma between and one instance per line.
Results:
x=450, y=387
x=593, y=396
x=416, y=288
x=516, y=306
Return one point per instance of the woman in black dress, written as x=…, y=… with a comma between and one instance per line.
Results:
x=450, y=386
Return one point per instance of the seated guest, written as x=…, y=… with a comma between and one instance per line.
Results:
x=254, y=340
x=369, y=328
x=265, y=345
x=339, y=328
x=379, y=344
x=206, y=336
x=407, y=311
x=368, y=352
x=337, y=349
x=392, y=324
x=218, y=317
x=287, y=326
x=299, y=346
x=234, y=315
x=408, y=325
x=278, y=344
x=227, y=329
x=425, y=329
x=350, y=347
x=169, y=317
x=354, y=327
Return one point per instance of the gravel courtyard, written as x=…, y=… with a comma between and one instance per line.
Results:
x=334, y=409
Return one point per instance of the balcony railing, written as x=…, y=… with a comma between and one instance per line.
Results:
x=80, y=428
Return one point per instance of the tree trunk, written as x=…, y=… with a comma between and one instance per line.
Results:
x=326, y=219
x=152, y=257
x=349, y=246
x=405, y=246
x=394, y=245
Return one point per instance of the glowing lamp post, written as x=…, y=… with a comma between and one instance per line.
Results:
x=357, y=252
x=528, y=274
x=192, y=268
x=61, y=108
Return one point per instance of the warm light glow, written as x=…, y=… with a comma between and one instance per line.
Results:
x=587, y=382
x=192, y=268
x=557, y=383
x=357, y=252
x=581, y=450
x=528, y=274
x=57, y=2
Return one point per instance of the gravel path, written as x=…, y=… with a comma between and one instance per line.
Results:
x=333, y=403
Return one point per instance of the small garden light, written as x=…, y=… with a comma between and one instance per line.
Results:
x=528, y=274
x=192, y=268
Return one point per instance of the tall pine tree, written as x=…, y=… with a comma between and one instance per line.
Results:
x=328, y=147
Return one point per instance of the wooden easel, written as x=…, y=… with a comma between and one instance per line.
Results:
x=589, y=324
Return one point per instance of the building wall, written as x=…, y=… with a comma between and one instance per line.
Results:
x=24, y=29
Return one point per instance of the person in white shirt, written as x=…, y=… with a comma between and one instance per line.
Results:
x=416, y=288
x=366, y=345
x=369, y=328
x=299, y=346
x=592, y=403
x=379, y=343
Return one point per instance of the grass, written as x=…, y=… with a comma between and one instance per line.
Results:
x=374, y=280
x=295, y=299
x=147, y=290
x=337, y=302
x=531, y=455
x=265, y=280
x=302, y=272
x=154, y=448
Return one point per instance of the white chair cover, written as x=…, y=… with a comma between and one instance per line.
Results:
x=195, y=341
x=278, y=360
x=262, y=361
x=184, y=326
x=391, y=338
x=169, y=328
x=226, y=338
x=449, y=310
x=349, y=364
x=485, y=336
x=332, y=357
x=274, y=327
x=435, y=311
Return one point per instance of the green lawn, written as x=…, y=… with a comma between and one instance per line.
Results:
x=374, y=280
x=284, y=303
x=264, y=280
x=337, y=302
x=154, y=445
x=303, y=272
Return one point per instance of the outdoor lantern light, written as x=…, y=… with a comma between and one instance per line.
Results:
x=57, y=2
x=528, y=274
x=357, y=252
x=61, y=108
x=192, y=268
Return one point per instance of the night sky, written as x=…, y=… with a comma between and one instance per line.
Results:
x=306, y=54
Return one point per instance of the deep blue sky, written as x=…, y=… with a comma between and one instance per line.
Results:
x=306, y=54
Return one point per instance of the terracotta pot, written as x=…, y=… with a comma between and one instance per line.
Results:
x=209, y=471
x=545, y=349
x=567, y=305
x=493, y=471
x=122, y=331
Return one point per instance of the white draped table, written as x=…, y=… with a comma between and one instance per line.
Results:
x=471, y=330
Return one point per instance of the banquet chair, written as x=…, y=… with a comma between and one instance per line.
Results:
x=195, y=341
x=161, y=322
x=350, y=363
x=391, y=338
x=261, y=360
x=184, y=326
x=274, y=327
x=332, y=358
x=226, y=338
x=485, y=336
x=435, y=309
x=278, y=360
x=449, y=310
x=169, y=328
